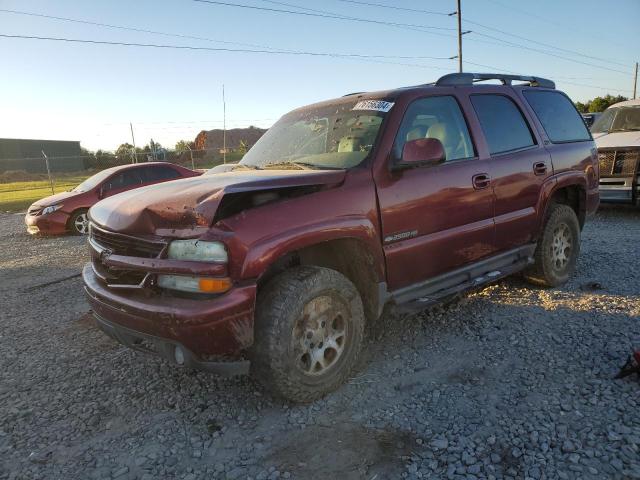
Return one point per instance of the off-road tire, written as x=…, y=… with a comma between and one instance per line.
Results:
x=73, y=220
x=545, y=272
x=275, y=355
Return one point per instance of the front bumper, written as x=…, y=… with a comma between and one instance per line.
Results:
x=210, y=334
x=52, y=224
x=619, y=189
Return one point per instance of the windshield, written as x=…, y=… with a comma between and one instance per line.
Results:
x=93, y=181
x=332, y=137
x=618, y=119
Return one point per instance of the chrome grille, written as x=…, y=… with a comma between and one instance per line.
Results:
x=120, y=244
x=620, y=162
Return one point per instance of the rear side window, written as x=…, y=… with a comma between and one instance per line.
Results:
x=558, y=116
x=123, y=179
x=159, y=173
x=502, y=122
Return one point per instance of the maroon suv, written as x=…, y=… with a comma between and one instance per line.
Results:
x=401, y=197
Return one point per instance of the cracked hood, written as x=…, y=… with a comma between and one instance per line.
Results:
x=191, y=203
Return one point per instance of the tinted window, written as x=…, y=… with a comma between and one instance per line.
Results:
x=558, y=116
x=502, y=122
x=436, y=117
x=158, y=174
x=124, y=179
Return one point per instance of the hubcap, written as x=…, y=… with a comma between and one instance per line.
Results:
x=82, y=224
x=320, y=335
x=561, y=246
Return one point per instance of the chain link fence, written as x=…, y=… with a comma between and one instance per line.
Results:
x=24, y=180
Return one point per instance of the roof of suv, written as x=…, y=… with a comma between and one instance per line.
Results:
x=465, y=79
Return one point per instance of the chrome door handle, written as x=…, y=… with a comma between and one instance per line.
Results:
x=480, y=181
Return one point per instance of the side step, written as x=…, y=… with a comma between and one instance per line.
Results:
x=425, y=294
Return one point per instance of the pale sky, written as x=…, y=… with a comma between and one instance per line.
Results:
x=90, y=92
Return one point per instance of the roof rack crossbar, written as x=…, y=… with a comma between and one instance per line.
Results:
x=466, y=78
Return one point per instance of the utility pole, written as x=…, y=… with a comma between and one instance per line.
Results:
x=224, y=127
x=459, y=37
x=193, y=166
x=635, y=81
x=46, y=162
x=133, y=140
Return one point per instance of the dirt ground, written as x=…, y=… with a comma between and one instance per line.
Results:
x=510, y=382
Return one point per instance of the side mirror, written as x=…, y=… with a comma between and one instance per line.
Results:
x=421, y=152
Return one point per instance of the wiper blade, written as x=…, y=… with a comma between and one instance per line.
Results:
x=625, y=130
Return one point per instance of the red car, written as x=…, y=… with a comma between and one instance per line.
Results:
x=67, y=211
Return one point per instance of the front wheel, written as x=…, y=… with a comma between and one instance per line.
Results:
x=308, y=334
x=558, y=248
x=79, y=222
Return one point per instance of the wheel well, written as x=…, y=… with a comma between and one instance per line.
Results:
x=73, y=212
x=574, y=196
x=350, y=257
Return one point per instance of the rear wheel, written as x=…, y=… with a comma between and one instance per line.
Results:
x=308, y=334
x=79, y=222
x=558, y=248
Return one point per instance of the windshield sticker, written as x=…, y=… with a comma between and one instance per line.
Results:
x=377, y=105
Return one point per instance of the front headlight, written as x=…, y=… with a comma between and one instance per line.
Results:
x=51, y=209
x=197, y=250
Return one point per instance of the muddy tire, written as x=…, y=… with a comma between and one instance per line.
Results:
x=558, y=249
x=308, y=333
x=79, y=222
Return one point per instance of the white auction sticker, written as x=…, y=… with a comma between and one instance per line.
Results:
x=377, y=105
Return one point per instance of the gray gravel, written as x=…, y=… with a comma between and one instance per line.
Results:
x=510, y=382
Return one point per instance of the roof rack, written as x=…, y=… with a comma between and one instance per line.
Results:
x=459, y=79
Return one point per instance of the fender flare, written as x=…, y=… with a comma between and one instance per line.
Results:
x=552, y=185
x=269, y=249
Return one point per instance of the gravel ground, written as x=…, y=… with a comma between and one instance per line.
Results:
x=510, y=382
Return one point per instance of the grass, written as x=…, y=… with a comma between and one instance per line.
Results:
x=17, y=196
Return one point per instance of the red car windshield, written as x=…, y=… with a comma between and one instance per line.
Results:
x=93, y=181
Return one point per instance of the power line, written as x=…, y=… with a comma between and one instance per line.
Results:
x=541, y=18
x=131, y=29
x=223, y=49
x=544, y=44
x=544, y=52
x=392, y=7
x=559, y=78
x=324, y=15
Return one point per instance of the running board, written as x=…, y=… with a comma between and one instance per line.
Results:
x=425, y=294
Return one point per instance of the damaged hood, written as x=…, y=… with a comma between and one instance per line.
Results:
x=191, y=203
x=617, y=139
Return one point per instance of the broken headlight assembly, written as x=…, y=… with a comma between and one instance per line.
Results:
x=199, y=251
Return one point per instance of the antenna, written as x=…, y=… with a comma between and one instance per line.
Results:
x=224, y=127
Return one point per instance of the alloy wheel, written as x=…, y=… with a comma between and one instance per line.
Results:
x=320, y=335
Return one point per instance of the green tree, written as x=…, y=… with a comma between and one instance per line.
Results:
x=599, y=104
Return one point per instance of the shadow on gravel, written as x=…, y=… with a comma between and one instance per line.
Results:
x=346, y=451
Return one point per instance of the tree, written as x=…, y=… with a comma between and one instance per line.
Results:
x=184, y=146
x=599, y=104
